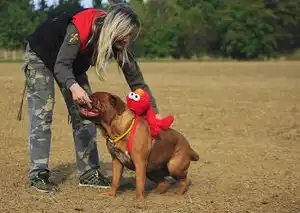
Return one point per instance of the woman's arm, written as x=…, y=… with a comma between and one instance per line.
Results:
x=135, y=79
x=63, y=69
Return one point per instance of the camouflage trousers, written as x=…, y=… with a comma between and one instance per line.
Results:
x=40, y=97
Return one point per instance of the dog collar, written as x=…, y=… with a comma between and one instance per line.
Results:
x=125, y=133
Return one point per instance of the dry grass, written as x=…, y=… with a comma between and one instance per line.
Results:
x=242, y=118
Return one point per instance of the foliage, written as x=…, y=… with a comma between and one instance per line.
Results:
x=15, y=22
x=246, y=32
x=249, y=29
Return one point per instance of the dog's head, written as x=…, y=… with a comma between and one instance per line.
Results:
x=105, y=107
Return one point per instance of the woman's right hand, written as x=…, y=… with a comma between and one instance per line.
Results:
x=80, y=96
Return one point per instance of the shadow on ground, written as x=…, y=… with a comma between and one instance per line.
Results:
x=62, y=172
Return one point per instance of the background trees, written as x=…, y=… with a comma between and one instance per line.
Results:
x=249, y=29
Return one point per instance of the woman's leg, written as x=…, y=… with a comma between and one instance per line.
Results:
x=40, y=96
x=84, y=134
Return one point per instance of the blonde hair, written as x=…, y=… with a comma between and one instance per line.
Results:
x=116, y=25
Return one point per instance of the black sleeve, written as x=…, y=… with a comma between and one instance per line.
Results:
x=134, y=77
x=63, y=69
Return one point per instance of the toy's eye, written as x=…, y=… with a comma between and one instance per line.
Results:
x=136, y=97
x=131, y=95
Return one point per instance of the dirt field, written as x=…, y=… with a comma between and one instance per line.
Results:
x=242, y=118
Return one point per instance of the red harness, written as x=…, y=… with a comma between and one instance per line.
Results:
x=132, y=134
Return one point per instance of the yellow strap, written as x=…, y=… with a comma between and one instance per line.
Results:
x=123, y=135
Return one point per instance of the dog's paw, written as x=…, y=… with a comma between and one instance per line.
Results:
x=110, y=193
x=140, y=197
x=161, y=188
x=183, y=187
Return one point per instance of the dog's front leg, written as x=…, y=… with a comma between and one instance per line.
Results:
x=140, y=169
x=117, y=170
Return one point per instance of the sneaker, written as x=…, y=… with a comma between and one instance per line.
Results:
x=94, y=178
x=41, y=182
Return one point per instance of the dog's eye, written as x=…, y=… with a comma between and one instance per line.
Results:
x=136, y=97
x=131, y=95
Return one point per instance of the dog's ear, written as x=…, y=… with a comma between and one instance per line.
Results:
x=117, y=103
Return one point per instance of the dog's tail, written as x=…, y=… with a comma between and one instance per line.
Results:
x=194, y=155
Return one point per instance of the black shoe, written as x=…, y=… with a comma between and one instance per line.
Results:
x=94, y=178
x=41, y=182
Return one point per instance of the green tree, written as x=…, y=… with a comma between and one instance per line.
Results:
x=97, y=4
x=246, y=32
x=287, y=24
x=196, y=23
x=64, y=6
x=42, y=5
x=159, y=31
x=16, y=21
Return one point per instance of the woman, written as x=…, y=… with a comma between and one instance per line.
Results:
x=63, y=49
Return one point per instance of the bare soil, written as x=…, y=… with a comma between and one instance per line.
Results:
x=242, y=118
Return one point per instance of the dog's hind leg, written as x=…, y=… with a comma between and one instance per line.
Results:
x=178, y=169
x=158, y=177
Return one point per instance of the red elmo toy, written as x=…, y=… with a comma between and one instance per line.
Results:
x=140, y=103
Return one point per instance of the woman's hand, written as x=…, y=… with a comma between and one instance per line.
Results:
x=80, y=96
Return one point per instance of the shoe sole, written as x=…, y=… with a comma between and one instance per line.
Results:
x=93, y=186
x=44, y=191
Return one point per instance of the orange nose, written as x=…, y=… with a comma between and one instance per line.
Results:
x=139, y=92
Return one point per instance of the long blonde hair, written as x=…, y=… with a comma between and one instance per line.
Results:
x=116, y=25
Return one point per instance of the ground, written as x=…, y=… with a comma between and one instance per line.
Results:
x=242, y=118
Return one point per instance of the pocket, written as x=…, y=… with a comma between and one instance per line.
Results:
x=38, y=79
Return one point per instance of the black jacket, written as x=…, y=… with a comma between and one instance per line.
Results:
x=51, y=42
x=48, y=37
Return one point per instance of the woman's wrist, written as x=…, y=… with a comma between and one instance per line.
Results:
x=70, y=84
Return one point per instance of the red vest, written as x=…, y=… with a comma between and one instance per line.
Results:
x=84, y=21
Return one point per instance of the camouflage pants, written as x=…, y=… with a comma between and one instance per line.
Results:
x=40, y=96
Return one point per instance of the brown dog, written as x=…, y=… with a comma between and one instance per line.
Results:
x=168, y=154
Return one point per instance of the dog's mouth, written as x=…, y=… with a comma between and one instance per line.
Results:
x=89, y=113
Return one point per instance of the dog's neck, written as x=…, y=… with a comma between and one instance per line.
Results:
x=119, y=125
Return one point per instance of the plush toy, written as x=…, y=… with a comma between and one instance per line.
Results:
x=140, y=103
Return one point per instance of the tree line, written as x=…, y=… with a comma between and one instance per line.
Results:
x=236, y=29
